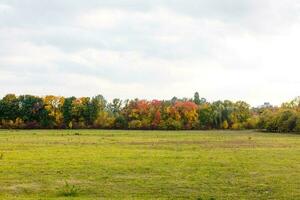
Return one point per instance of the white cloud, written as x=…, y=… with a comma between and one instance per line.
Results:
x=5, y=8
x=224, y=49
x=101, y=19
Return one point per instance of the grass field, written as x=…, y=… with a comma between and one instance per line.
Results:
x=97, y=164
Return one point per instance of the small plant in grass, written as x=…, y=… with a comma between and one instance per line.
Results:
x=69, y=190
x=1, y=156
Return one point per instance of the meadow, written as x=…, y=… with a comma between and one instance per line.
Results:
x=110, y=164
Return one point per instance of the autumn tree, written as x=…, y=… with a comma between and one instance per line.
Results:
x=53, y=105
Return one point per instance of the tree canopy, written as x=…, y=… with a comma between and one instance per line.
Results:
x=28, y=111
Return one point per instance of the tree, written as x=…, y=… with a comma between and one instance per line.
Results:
x=67, y=111
x=96, y=105
x=297, y=127
x=188, y=113
x=205, y=116
x=27, y=111
x=104, y=120
x=239, y=115
x=33, y=112
x=197, y=98
x=286, y=120
x=115, y=106
x=53, y=106
x=138, y=110
x=218, y=114
x=9, y=107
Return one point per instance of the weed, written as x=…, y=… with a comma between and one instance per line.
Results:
x=69, y=190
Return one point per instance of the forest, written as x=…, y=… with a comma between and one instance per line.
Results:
x=57, y=112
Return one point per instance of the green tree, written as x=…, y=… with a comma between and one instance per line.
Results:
x=205, y=116
x=33, y=112
x=9, y=107
x=67, y=110
x=197, y=98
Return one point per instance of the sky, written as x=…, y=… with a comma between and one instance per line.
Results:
x=224, y=49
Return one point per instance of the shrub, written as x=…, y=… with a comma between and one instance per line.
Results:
x=104, y=120
x=69, y=190
x=32, y=125
x=170, y=124
x=286, y=121
x=146, y=123
x=70, y=125
x=173, y=124
x=225, y=125
x=251, y=123
x=135, y=124
x=19, y=123
x=121, y=122
x=297, y=125
x=237, y=126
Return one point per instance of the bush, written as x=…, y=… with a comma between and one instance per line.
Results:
x=120, y=122
x=172, y=124
x=297, y=126
x=225, y=125
x=69, y=190
x=251, y=123
x=237, y=126
x=282, y=120
x=18, y=123
x=135, y=124
x=286, y=121
x=32, y=125
x=146, y=123
x=104, y=120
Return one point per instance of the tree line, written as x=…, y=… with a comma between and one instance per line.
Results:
x=28, y=111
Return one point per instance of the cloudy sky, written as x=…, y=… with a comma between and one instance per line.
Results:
x=225, y=49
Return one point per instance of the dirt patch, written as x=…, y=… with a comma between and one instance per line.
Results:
x=22, y=187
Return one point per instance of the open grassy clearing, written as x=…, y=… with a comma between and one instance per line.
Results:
x=97, y=164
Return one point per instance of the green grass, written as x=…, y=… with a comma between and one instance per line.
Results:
x=97, y=164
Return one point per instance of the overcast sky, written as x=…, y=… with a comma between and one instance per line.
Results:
x=154, y=49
